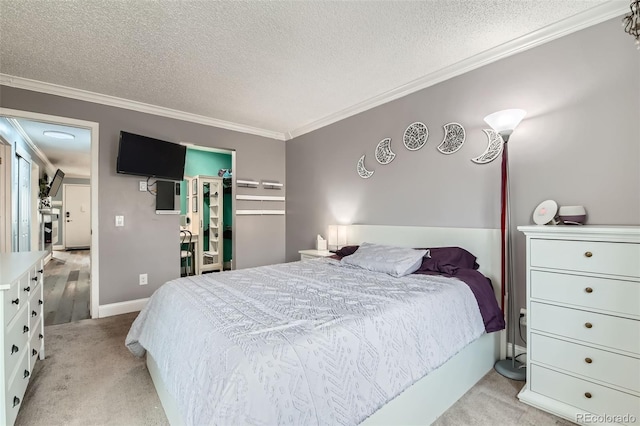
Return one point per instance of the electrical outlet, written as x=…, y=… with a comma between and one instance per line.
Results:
x=143, y=186
x=144, y=279
x=523, y=316
x=119, y=220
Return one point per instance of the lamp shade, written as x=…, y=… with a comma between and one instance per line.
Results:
x=505, y=121
x=337, y=236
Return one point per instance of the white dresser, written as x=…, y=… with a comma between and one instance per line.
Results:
x=22, y=337
x=313, y=254
x=583, y=334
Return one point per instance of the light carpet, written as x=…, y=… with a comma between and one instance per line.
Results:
x=90, y=378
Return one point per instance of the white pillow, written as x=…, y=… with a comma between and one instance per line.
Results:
x=395, y=261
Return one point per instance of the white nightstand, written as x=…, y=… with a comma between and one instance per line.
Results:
x=312, y=254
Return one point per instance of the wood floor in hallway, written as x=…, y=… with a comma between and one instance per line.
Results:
x=66, y=287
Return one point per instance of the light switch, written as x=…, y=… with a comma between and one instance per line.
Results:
x=143, y=186
x=119, y=220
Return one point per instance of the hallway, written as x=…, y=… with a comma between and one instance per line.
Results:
x=66, y=287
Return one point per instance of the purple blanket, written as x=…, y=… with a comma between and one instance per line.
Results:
x=483, y=291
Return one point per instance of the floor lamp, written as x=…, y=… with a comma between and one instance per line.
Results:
x=504, y=122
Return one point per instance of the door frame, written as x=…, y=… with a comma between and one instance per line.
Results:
x=64, y=208
x=5, y=196
x=94, y=128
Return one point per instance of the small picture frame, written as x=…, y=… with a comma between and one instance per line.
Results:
x=195, y=187
x=195, y=204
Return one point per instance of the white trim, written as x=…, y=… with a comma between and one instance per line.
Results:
x=582, y=20
x=74, y=176
x=50, y=169
x=98, y=98
x=259, y=198
x=21, y=152
x=121, y=307
x=58, y=247
x=95, y=141
x=226, y=151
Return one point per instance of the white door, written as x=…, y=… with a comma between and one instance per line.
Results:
x=77, y=216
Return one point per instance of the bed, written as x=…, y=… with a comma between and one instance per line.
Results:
x=321, y=342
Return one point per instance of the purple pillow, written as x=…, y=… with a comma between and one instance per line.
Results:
x=347, y=251
x=448, y=260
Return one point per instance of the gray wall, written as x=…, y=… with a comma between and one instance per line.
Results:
x=148, y=243
x=579, y=144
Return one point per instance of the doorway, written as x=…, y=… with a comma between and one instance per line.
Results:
x=91, y=257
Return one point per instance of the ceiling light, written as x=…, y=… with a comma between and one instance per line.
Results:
x=58, y=135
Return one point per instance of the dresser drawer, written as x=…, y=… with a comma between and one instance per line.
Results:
x=583, y=394
x=600, y=329
x=593, y=363
x=35, y=344
x=16, y=389
x=13, y=299
x=617, y=296
x=15, y=342
x=587, y=256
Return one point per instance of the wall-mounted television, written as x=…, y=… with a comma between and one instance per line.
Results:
x=145, y=156
x=55, y=183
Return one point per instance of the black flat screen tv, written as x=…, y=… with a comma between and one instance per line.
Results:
x=55, y=183
x=145, y=156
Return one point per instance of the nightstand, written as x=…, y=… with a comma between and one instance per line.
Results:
x=312, y=254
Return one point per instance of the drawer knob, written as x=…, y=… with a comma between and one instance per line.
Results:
x=588, y=360
x=588, y=290
x=16, y=301
x=26, y=374
x=27, y=288
x=588, y=325
x=25, y=329
x=34, y=279
x=587, y=394
x=41, y=271
x=16, y=401
x=34, y=352
x=39, y=302
x=14, y=349
x=588, y=254
x=34, y=314
x=40, y=336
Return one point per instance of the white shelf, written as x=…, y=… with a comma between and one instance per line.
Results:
x=247, y=183
x=259, y=212
x=260, y=198
x=272, y=185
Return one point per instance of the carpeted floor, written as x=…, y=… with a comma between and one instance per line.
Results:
x=90, y=378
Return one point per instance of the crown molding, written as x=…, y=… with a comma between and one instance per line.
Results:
x=544, y=35
x=49, y=168
x=98, y=98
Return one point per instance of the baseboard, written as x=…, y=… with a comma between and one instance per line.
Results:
x=58, y=247
x=121, y=307
x=48, y=258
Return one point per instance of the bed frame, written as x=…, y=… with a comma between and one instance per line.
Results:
x=424, y=401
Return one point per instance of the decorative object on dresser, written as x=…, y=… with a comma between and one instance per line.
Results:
x=22, y=336
x=631, y=21
x=336, y=237
x=546, y=213
x=504, y=122
x=313, y=254
x=573, y=215
x=583, y=304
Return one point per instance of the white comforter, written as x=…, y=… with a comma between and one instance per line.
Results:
x=302, y=343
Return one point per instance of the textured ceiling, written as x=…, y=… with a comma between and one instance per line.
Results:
x=73, y=157
x=272, y=65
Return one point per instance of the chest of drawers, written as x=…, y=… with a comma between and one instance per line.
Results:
x=22, y=335
x=583, y=335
